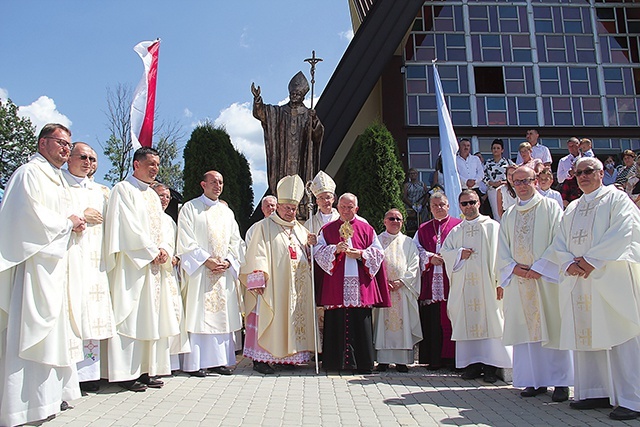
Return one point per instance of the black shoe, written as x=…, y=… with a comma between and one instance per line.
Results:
x=600, y=402
x=402, y=368
x=133, y=385
x=560, y=394
x=382, y=367
x=263, y=368
x=221, y=370
x=200, y=373
x=490, y=374
x=150, y=382
x=472, y=372
x=621, y=413
x=65, y=405
x=286, y=366
x=532, y=391
x=91, y=386
x=434, y=367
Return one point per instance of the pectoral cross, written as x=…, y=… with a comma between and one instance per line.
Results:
x=586, y=209
x=580, y=236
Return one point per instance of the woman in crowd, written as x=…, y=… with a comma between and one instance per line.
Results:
x=506, y=192
x=610, y=172
x=526, y=152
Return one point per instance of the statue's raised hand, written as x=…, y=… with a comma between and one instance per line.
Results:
x=255, y=90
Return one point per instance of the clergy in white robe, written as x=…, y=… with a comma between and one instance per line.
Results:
x=531, y=311
x=39, y=348
x=178, y=344
x=279, y=323
x=469, y=252
x=397, y=328
x=87, y=269
x=210, y=250
x=597, y=249
x=136, y=250
x=268, y=206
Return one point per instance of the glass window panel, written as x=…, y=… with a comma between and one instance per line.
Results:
x=479, y=26
x=586, y=56
x=490, y=40
x=495, y=103
x=564, y=81
x=416, y=86
x=525, y=103
x=418, y=145
x=578, y=73
x=507, y=12
x=456, y=55
x=580, y=88
x=513, y=72
x=515, y=87
x=512, y=111
x=585, y=42
x=625, y=104
x=461, y=118
x=416, y=71
x=577, y=111
x=611, y=107
x=573, y=27
x=556, y=56
x=550, y=88
x=449, y=86
x=619, y=57
x=522, y=55
x=593, y=119
x=546, y=108
x=556, y=42
x=420, y=161
x=491, y=55
x=496, y=118
x=628, y=119
x=477, y=11
x=603, y=13
x=528, y=73
x=427, y=102
x=459, y=102
x=563, y=119
x=425, y=54
x=614, y=88
x=520, y=41
x=455, y=40
x=448, y=72
x=561, y=104
x=544, y=27
x=482, y=114
x=509, y=26
x=571, y=13
x=548, y=73
x=527, y=119
x=444, y=25
x=615, y=143
x=591, y=104
x=428, y=118
x=542, y=12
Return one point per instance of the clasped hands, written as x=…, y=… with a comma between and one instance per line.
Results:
x=217, y=265
x=525, y=272
x=162, y=257
x=350, y=252
x=79, y=224
x=394, y=285
x=580, y=267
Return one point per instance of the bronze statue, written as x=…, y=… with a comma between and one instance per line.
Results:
x=292, y=134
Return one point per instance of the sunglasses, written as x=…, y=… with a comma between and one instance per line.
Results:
x=394, y=219
x=518, y=182
x=85, y=157
x=587, y=171
x=468, y=203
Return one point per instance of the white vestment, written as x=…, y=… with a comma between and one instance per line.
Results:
x=531, y=311
x=601, y=314
x=317, y=221
x=475, y=313
x=88, y=277
x=144, y=311
x=207, y=228
x=39, y=348
x=397, y=328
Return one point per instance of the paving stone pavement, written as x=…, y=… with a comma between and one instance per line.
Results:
x=302, y=398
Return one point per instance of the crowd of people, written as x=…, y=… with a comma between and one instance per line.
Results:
x=99, y=283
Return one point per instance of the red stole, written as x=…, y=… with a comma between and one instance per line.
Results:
x=427, y=236
x=373, y=290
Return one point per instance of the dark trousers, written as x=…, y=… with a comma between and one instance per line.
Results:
x=348, y=339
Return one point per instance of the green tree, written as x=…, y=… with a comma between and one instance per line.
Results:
x=210, y=148
x=17, y=140
x=374, y=173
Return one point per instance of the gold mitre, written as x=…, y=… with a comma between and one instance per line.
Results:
x=299, y=83
x=322, y=183
x=290, y=190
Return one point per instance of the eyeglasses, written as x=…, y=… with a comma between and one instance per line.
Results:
x=394, y=219
x=85, y=157
x=527, y=181
x=587, y=171
x=468, y=203
x=61, y=142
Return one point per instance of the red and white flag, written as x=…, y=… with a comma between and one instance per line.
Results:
x=144, y=99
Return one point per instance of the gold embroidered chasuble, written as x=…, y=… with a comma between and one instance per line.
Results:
x=473, y=308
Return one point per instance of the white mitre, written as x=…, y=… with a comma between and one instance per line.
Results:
x=322, y=183
x=290, y=190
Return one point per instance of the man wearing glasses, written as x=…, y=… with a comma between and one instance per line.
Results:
x=397, y=328
x=532, y=314
x=469, y=252
x=38, y=349
x=87, y=273
x=597, y=249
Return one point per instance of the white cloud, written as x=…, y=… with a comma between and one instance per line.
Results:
x=346, y=35
x=246, y=135
x=187, y=113
x=244, y=38
x=4, y=94
x=43, y=111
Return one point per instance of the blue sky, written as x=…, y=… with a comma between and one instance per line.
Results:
x=58, y=58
